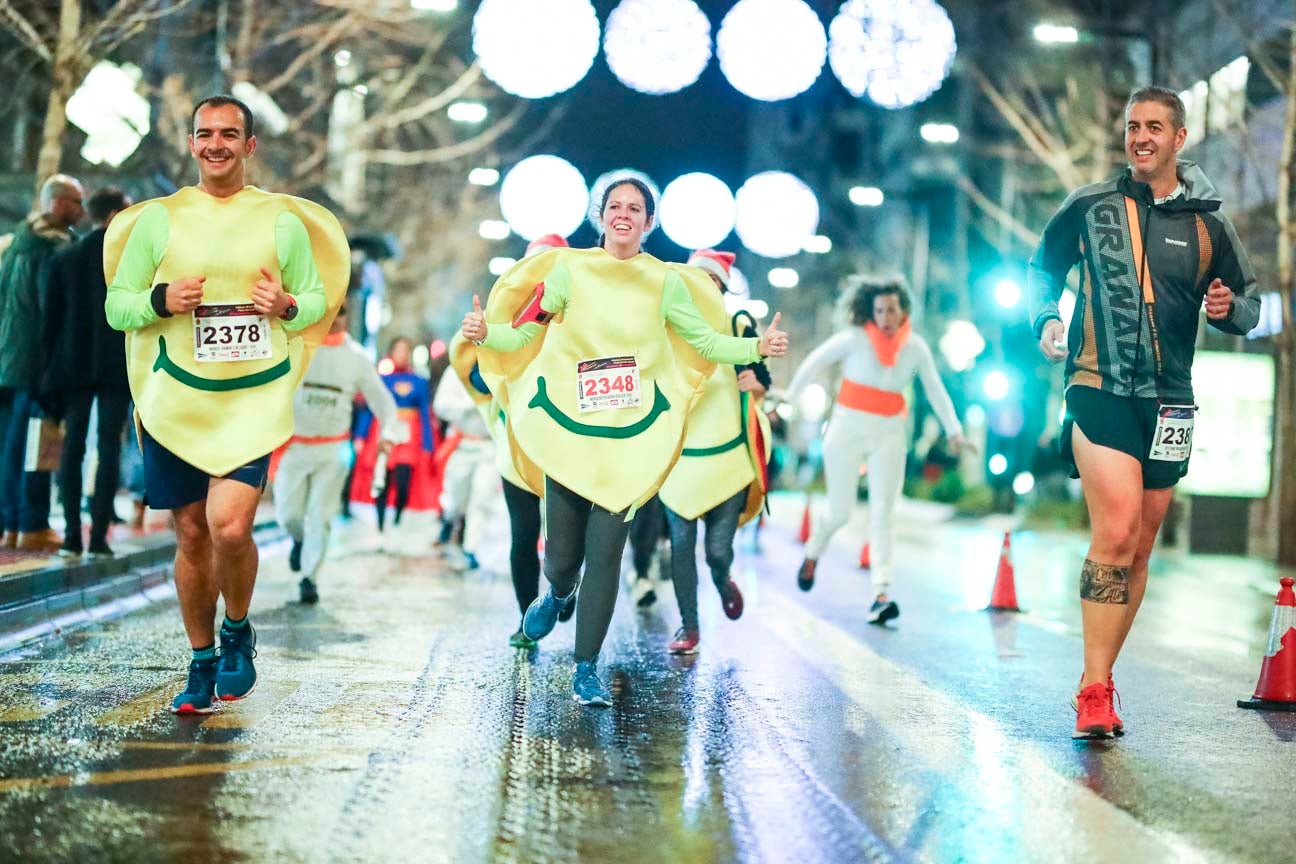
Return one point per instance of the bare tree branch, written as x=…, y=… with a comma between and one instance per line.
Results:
x=25, y=31
x=450, y=152
x=997, y=213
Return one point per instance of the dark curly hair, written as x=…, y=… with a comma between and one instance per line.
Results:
x=863, y=290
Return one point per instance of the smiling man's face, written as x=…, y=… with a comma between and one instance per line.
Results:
x=1152, y=142
x=220, y=145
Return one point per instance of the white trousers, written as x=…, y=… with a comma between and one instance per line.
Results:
x=471, y=488
x=854, y=439
x=308, y=494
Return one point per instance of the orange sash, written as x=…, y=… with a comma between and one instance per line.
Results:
x=887, y=347
x=871, y=400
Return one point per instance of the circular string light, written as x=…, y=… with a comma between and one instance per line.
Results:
x=896, y=52
x=771, y=49
x=543, y=195
x=697, y=210
x=777, y=214
x=535, y=50
x=657, y=46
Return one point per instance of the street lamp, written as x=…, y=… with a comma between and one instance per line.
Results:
x=1055, y=34
x=466, y=112
x=866, y=196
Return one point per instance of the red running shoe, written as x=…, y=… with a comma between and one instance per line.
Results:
x=805, y=577
x=1118, y=725
x=1095, y=717
x=732, y=600
x=686, y=642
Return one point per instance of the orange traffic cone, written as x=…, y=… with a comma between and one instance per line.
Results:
x=1004, y=596
x=866, y=562
x=1276, y=689
x=804, y=534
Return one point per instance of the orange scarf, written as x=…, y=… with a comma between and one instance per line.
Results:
x=334, y=339
x=887, y=347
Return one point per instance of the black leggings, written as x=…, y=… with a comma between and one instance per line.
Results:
x=401, y=474
x=577, y=530
x=524, y=559
x=721, y=525
x=647, y=527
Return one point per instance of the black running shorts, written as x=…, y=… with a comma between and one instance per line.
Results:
x=1124, y=423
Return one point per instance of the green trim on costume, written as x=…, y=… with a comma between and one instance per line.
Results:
x=728, y=445
x=541, y=400
x=243, y=382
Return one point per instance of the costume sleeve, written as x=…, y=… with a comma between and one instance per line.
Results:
x=423, y=390
x=377, y=397
x=1057, y=252
x=503, y=338
x=683, y=316
x=937, y=395
x=297, y=267
x=129, y=302
x=831, y=352
x=1233, y=267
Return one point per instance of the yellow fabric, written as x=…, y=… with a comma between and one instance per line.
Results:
x=228, y=241
x=614, y=309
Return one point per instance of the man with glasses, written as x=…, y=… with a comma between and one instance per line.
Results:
x=25, y=496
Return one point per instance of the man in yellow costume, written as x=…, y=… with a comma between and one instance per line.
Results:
x=224, y=292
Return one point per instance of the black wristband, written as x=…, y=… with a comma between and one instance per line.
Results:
x=158, y=299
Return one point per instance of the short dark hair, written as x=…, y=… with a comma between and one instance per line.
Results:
x=391, y=346
x=1162, y=96
x=106, y=201
x=221, y=100
x=868, y=288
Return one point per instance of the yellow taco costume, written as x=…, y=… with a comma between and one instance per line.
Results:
x=221, y=415
x=726, y=450
x=612, y=445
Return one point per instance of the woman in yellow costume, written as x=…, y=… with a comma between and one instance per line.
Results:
x=721, y=476
x=597, y=356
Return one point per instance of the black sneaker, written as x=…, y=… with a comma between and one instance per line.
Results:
x=642, y=591
x=883, y=611
x=70, y=550
x=99, y=549
x=806, y=575
x=294, y=557
x=309, y=595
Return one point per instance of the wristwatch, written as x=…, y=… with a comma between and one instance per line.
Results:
x=291, y=312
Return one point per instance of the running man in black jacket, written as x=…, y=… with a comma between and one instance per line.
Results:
x=1152, y=244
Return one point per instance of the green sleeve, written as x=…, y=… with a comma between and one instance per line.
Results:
x=129, y=303
x=505, y=338
x=686, y=320
x=297, y=269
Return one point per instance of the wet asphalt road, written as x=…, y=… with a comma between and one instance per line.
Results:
x=393, y=723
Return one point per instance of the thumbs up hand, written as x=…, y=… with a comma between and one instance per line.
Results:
x=774, y=342
x=474, y=323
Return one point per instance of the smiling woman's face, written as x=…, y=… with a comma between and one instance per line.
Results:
x=625, y=217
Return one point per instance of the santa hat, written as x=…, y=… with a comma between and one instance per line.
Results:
x=716, y=263
x=545, y=243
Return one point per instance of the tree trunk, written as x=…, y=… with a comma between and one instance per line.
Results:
x=1284, y=451
x=66, y=75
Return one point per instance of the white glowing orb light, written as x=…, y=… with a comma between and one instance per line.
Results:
x=771, y=49
x=866, y=196
x=606, y=179
x=998, y=464
x=114, y=116
x=896, y=52
x=995, y=386
x=777, y=214
x=784, y=277
x=500, y=265
x=813, y=402
x=817, y=245
x=1007, y=293
x=657, y=46
x=483, y=176
x=535, y=50
x=420, y=356
x=543, y=195
x=467, y=112
x=697, y=210
x=493, y=229
x=738, y=285
x=961, y=344
x=1023, y=483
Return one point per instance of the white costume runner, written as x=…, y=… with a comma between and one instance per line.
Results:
x=472, y=483
x=868, y=427
x=313, y=470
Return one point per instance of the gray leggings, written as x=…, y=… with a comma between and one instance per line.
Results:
x=721, y=525
x=577, y=530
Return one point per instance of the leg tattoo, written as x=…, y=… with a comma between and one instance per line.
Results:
x=1104, y=583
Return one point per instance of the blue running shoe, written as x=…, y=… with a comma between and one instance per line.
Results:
x=542, y=615
x=199, y=692
x=236, y=676
x=587, y=689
